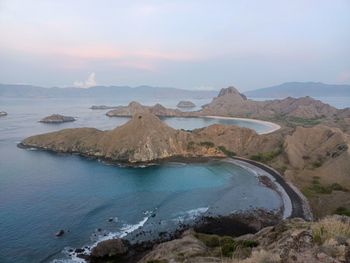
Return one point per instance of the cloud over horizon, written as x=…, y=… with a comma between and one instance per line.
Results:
x=88, y=83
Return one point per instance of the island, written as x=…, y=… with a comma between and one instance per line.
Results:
x=57, y=118
x=186, y=104
x=102, y=107
x=3, y=113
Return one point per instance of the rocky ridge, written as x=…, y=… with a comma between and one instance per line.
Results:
x=230, y=102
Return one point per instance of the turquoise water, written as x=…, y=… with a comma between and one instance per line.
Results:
x=42, y=192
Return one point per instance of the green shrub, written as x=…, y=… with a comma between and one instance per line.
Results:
x=228, y=245
x=266, y=156
x=317, y=164
x=207, y=144
x=342, y=211
x=190, y=145
x=226, y=152
x=209, y=240
x=317, y=188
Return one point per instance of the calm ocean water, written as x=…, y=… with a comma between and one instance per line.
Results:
x=41, y=192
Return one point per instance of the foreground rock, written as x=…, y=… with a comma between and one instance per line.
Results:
x=186, y=104
x=57, y=118
x=3, y=113
x=109, y=248
x=292, y=240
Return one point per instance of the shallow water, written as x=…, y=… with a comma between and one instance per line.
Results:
x=42, y=192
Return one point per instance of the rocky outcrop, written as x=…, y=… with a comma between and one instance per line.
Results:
x=292, y=240
x=108, y=249
x=3, y=113
x=186, y=104
x=57, y=118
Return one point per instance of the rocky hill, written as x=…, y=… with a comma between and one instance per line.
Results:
x=146, y=138
x=230, y=102
x=158, y=110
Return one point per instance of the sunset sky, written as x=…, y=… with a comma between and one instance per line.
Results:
x=184, y=44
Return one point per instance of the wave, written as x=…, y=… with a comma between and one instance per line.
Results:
x=86, y=250
x=191, y=214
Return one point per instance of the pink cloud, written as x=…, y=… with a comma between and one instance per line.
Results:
x=344, y=76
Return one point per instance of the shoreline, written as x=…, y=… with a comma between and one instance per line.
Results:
x=299, y=204
x=274, y=126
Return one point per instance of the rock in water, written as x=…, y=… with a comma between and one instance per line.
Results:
x=60, y=233
x=57, y=118
x=186, y=104
x=109, y=248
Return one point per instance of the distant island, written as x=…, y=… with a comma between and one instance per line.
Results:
x=101, y=107
x=57, y=118
x=186, y=104
x=300, y=89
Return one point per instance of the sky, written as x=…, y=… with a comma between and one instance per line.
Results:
x=187, y=44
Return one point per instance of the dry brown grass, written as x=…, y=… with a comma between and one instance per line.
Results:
x=330, y=228
x=259, y=256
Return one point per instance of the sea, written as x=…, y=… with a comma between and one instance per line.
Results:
x=42, y=193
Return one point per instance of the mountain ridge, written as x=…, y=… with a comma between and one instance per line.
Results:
x=301, y=89
x=30, y=91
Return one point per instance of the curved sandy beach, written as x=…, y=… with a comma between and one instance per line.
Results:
x=273, y=126
x=294, y=202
